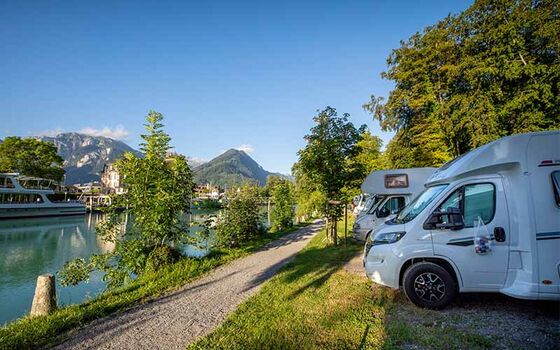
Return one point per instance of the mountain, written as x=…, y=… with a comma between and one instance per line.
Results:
x=195, y=162
x=229, y=168
x=84, y=155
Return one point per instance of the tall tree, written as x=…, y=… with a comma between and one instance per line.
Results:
x=370, y=154
x=30, y=157
x=159, y=188
x=329, y=158
x=490, y=71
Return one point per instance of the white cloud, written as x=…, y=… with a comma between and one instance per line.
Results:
x=118, y=133
x=51, y=133
x=247, y=148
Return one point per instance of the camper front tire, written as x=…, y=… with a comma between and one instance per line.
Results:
x=429, y=285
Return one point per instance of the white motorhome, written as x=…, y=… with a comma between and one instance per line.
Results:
x=488, y=221
x=390, y=191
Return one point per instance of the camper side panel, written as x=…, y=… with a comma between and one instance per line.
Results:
x=543, y=163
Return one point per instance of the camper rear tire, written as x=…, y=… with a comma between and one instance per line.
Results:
x=429, y=285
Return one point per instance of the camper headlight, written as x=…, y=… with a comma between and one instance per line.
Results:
x=387, y=237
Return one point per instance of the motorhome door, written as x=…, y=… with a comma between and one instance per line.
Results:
x=482, y=266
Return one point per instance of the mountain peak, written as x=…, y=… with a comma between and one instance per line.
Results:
x=85, y=155
x=230, y=168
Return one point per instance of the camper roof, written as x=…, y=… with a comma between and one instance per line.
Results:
x=389, y=181
x=494, y=156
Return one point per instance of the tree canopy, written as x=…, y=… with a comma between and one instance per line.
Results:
x=490, y=71
x=159, y=188
x=30, y=157
x=329, y=158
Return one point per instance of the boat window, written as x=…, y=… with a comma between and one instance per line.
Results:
x=416, y=206
x=6, y=182
x=20, y=198
x=556, y=186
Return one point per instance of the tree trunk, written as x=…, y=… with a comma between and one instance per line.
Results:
x=335, y=233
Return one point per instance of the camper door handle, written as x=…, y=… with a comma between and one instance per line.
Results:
x=499, y=234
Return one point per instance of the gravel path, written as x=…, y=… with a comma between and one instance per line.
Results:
x=177, y=319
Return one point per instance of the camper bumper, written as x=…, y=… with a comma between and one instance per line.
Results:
x=359, y=232
x=381, y=265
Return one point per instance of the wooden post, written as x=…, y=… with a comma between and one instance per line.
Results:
x=268, y=211
x=335, y=233
x=345, y=223
x=44, y=300
x=327, y=228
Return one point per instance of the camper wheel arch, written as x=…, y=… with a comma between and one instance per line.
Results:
x=438, y=261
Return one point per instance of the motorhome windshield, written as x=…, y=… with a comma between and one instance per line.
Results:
x=416, y=206
x=374, y=203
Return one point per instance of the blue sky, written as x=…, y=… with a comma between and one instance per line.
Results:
x=226, y=74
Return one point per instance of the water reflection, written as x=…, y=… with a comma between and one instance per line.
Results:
x=31, y=247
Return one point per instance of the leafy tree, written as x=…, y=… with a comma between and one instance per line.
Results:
x=329, y=159
x=30, y=157
x=310, y=200
x=490, y=71
x=159, y=189
x=281, y=192
x=370, y=154
x=240, y=221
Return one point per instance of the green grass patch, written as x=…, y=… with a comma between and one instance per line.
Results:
x=31, y=333
x=314, y=303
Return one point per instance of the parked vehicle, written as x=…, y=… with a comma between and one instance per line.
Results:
x=390, y=191
x=488, y=221
x=360, y=203
x=24, y=196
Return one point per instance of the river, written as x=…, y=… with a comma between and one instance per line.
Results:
x=31, y=247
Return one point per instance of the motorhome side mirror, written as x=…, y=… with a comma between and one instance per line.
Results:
x=432, y=221
x=383, y=212
x=454, y=220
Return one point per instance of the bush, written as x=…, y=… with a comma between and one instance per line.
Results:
x=282, y=215
x=241, y=221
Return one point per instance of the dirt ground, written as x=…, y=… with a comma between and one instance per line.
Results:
x=510, y=323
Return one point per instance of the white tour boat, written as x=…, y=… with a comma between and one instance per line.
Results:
x=23, y=196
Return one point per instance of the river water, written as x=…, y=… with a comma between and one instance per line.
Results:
x=31, y=247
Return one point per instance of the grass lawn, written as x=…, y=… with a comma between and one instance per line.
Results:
x=31, y=333
x=314, y=303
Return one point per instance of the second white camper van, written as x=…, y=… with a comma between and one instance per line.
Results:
x=488, y=221
x=390, y=191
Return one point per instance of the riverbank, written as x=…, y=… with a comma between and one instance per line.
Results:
x=27, y=333
x=322, y=301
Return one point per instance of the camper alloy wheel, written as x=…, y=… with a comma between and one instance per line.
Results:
x=429, y=285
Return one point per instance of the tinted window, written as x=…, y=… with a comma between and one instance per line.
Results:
x=394, y=204
x=453, y=201
x=556, y=186
x=479, y=201
x=472, y=201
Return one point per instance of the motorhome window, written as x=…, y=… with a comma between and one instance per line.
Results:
x=452, y=202
x=394, y=204
x=479, y=201
x=375, y=201
x=556, y=186
x=420, y=203
x=396, y=181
